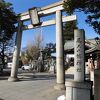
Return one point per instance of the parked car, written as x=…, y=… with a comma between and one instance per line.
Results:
x=9, y=65
x=26, y=67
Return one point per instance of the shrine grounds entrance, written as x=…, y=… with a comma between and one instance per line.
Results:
x=34, y=14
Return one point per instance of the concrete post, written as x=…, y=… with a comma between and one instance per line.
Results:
x=78, y=89
x=79, y=62
x=15, y=63
x=60, y=74
x=97, y=84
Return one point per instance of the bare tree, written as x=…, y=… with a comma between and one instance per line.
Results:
x=38, y=40
x=32, y=51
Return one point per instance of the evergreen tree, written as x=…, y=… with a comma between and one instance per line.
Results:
x=7, y=27
x=69, y=30
x=90, y=7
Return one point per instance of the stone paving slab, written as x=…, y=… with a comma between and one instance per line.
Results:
x=31, y=87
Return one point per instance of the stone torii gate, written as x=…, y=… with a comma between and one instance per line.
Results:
x=50, y=9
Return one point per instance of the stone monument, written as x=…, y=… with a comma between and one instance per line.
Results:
x=79, y=89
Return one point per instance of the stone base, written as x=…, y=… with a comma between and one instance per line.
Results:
x=97, y=84
x=60, y=86
x=13, y=79
x=78, y=90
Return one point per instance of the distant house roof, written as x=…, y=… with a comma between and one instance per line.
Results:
x=90, y=46
x=93, y=49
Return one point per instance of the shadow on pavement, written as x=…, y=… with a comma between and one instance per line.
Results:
x=37, y=77
x=4, y=75
x=43, y=76
x=1, y=99
x=32, y=76
x=3, y=78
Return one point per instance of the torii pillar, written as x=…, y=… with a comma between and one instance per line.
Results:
x=60, y=73
x=15, y=63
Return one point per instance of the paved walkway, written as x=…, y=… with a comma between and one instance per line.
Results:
x=31, y=87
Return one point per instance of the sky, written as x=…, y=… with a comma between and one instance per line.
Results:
x=48, y=32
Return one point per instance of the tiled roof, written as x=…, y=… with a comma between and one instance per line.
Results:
x=90, y=43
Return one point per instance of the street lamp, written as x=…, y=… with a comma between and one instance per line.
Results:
x=34, y=16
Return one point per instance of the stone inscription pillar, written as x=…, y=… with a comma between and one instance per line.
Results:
x=15, y=63
x=79, y=61
x=78, y=89
x=60, y=73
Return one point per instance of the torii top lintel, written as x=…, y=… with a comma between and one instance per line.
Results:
x=44, y=10
x=50, y=9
